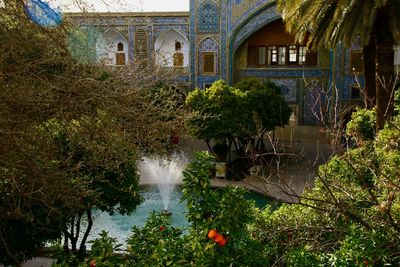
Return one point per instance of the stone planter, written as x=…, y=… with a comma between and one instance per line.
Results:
x=220, y=169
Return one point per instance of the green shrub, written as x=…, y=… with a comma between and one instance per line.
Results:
x=362, y=125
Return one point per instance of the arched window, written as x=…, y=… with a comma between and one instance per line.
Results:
x=120, y=47
x=208, y=49
x=172, y=49
x=178, y=46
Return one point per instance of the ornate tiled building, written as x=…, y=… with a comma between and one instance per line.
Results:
x=229, y=40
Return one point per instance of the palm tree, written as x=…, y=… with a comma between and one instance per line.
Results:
x=375, y=23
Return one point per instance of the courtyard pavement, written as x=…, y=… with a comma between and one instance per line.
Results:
x=286, y=174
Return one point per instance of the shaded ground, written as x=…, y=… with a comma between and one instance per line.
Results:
x=282, y=173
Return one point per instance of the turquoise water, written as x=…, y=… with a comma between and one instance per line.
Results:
x=119, y=226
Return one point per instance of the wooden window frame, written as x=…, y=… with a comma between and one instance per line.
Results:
x=296, y=49
x=122, y=55
x=203, y=57
x=270, y=49
x=253, y=49
x=286, y=55
x=351, y=62
x=265, y=56
x=310, y=58
x=178, y=56
x=256, y=51
x=302, y=63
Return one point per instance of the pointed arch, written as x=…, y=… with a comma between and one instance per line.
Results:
x=208, y=55
x=176, y=30
x=264, y=15
x=108, y=48
x=165, y=49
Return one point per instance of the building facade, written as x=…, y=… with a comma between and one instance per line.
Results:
x=229, y=40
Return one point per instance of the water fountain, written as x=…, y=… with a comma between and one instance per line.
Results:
x=159, y=178
x=165, y=173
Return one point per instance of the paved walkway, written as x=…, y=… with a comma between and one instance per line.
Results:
x=285, y=175
x=37, y=262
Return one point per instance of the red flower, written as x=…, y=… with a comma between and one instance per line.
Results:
x=93, y=263
x=212, y=234
x=162, y=228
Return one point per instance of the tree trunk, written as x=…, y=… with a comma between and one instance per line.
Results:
x=82, y=247
x=369, y=52
x=384, y=68
x=209, y=146
x=73, y=240
x=230, y=150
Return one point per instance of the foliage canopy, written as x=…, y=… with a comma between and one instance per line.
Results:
x=236, y=114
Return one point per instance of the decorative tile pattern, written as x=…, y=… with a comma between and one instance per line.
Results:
x=183, y=79
x=288, y=88
x=131, y=42
x=170, y=20
x=240, y=10
x=254, y=24
x=209, y=45
x=339, y=70
x=350, y=81
x=202, y=80
x=311, y=107
x=265, y=15
x=208, y=18
x=192, y=40
x=284, y=73
x=223, y=38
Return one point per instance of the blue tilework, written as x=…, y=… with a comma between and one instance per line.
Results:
x=208, y=17
x=292, y=73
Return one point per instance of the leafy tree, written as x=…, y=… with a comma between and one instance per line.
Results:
x=375, y=24
x=214, y=112
x=265, y=108
x=226, y=212
x=361, y=126
x=44, y=86
x=158, y=244
x=236, y=115
x=351, y=216
x=104, y=251
x=99, y=163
